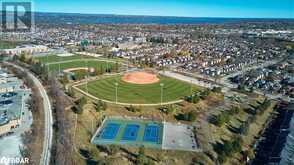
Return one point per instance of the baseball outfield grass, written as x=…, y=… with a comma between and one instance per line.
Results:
x=105, y=89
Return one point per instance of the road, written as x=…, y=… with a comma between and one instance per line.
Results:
x=48, y=132
x=188, y=79
x=225, y=83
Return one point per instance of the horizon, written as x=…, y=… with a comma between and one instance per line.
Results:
x=171, y=16
x=173, y=8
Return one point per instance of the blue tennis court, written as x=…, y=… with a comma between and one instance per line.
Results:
x=131, y=132
x=110, y=131
x=151, y=133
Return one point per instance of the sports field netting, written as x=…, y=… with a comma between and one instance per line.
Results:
x=131, y=132
x=151, y=133
x=110, y=131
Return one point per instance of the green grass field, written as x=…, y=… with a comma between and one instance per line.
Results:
x=138, y=94
x=76, y=64
x=74, y=61
x=54, y=58
x=7, y=45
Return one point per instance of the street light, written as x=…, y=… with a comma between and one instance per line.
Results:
x=116, y=86
x=161, y=98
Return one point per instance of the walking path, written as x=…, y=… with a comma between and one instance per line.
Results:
x=48, y=131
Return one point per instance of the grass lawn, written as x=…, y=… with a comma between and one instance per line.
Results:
x=76, y=64
x=55, y=58
x=138, y=94
x=7, y=45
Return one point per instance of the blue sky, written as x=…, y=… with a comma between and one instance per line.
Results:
x=190, y=8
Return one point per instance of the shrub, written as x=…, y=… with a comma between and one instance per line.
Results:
x=100, y=106
x=133, y=109
x=113, y=149
x=217, y=89
x=222, y=118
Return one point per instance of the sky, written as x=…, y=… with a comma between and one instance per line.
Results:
x=187, y=8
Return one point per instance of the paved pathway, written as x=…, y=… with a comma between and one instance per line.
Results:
x=48, y=131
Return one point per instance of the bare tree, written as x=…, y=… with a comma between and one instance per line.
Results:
x=63, y=148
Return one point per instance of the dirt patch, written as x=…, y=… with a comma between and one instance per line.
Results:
x=140, y=78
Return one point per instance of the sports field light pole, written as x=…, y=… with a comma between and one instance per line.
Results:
x=191, y=86
x=48, y=63
x=116, y=86
x=161, y=96
x=87, y=76
x=59, y=65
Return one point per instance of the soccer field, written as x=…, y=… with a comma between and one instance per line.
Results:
x=105, y=89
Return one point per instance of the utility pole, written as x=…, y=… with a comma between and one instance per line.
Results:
x=161, y=96
x=116, y=86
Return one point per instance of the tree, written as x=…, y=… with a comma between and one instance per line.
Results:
x=64, y=79
x=171, y=110
x=38, y=69
x=22, y=58
x=131, y=108
x=113, y=149
x=244, y=128
x=141, y=156
x=79, y=107
x=191, y=116
x=241, y=87
x=100, y=106
x=116, y=67
x=249, y=154
x=217, y=89
x=93, y=153
x=235, y=110
x=222, y=118
x=204, y=94
x=80, y=74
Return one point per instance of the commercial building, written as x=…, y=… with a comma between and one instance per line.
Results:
x=25, y=49
x=13, y=96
